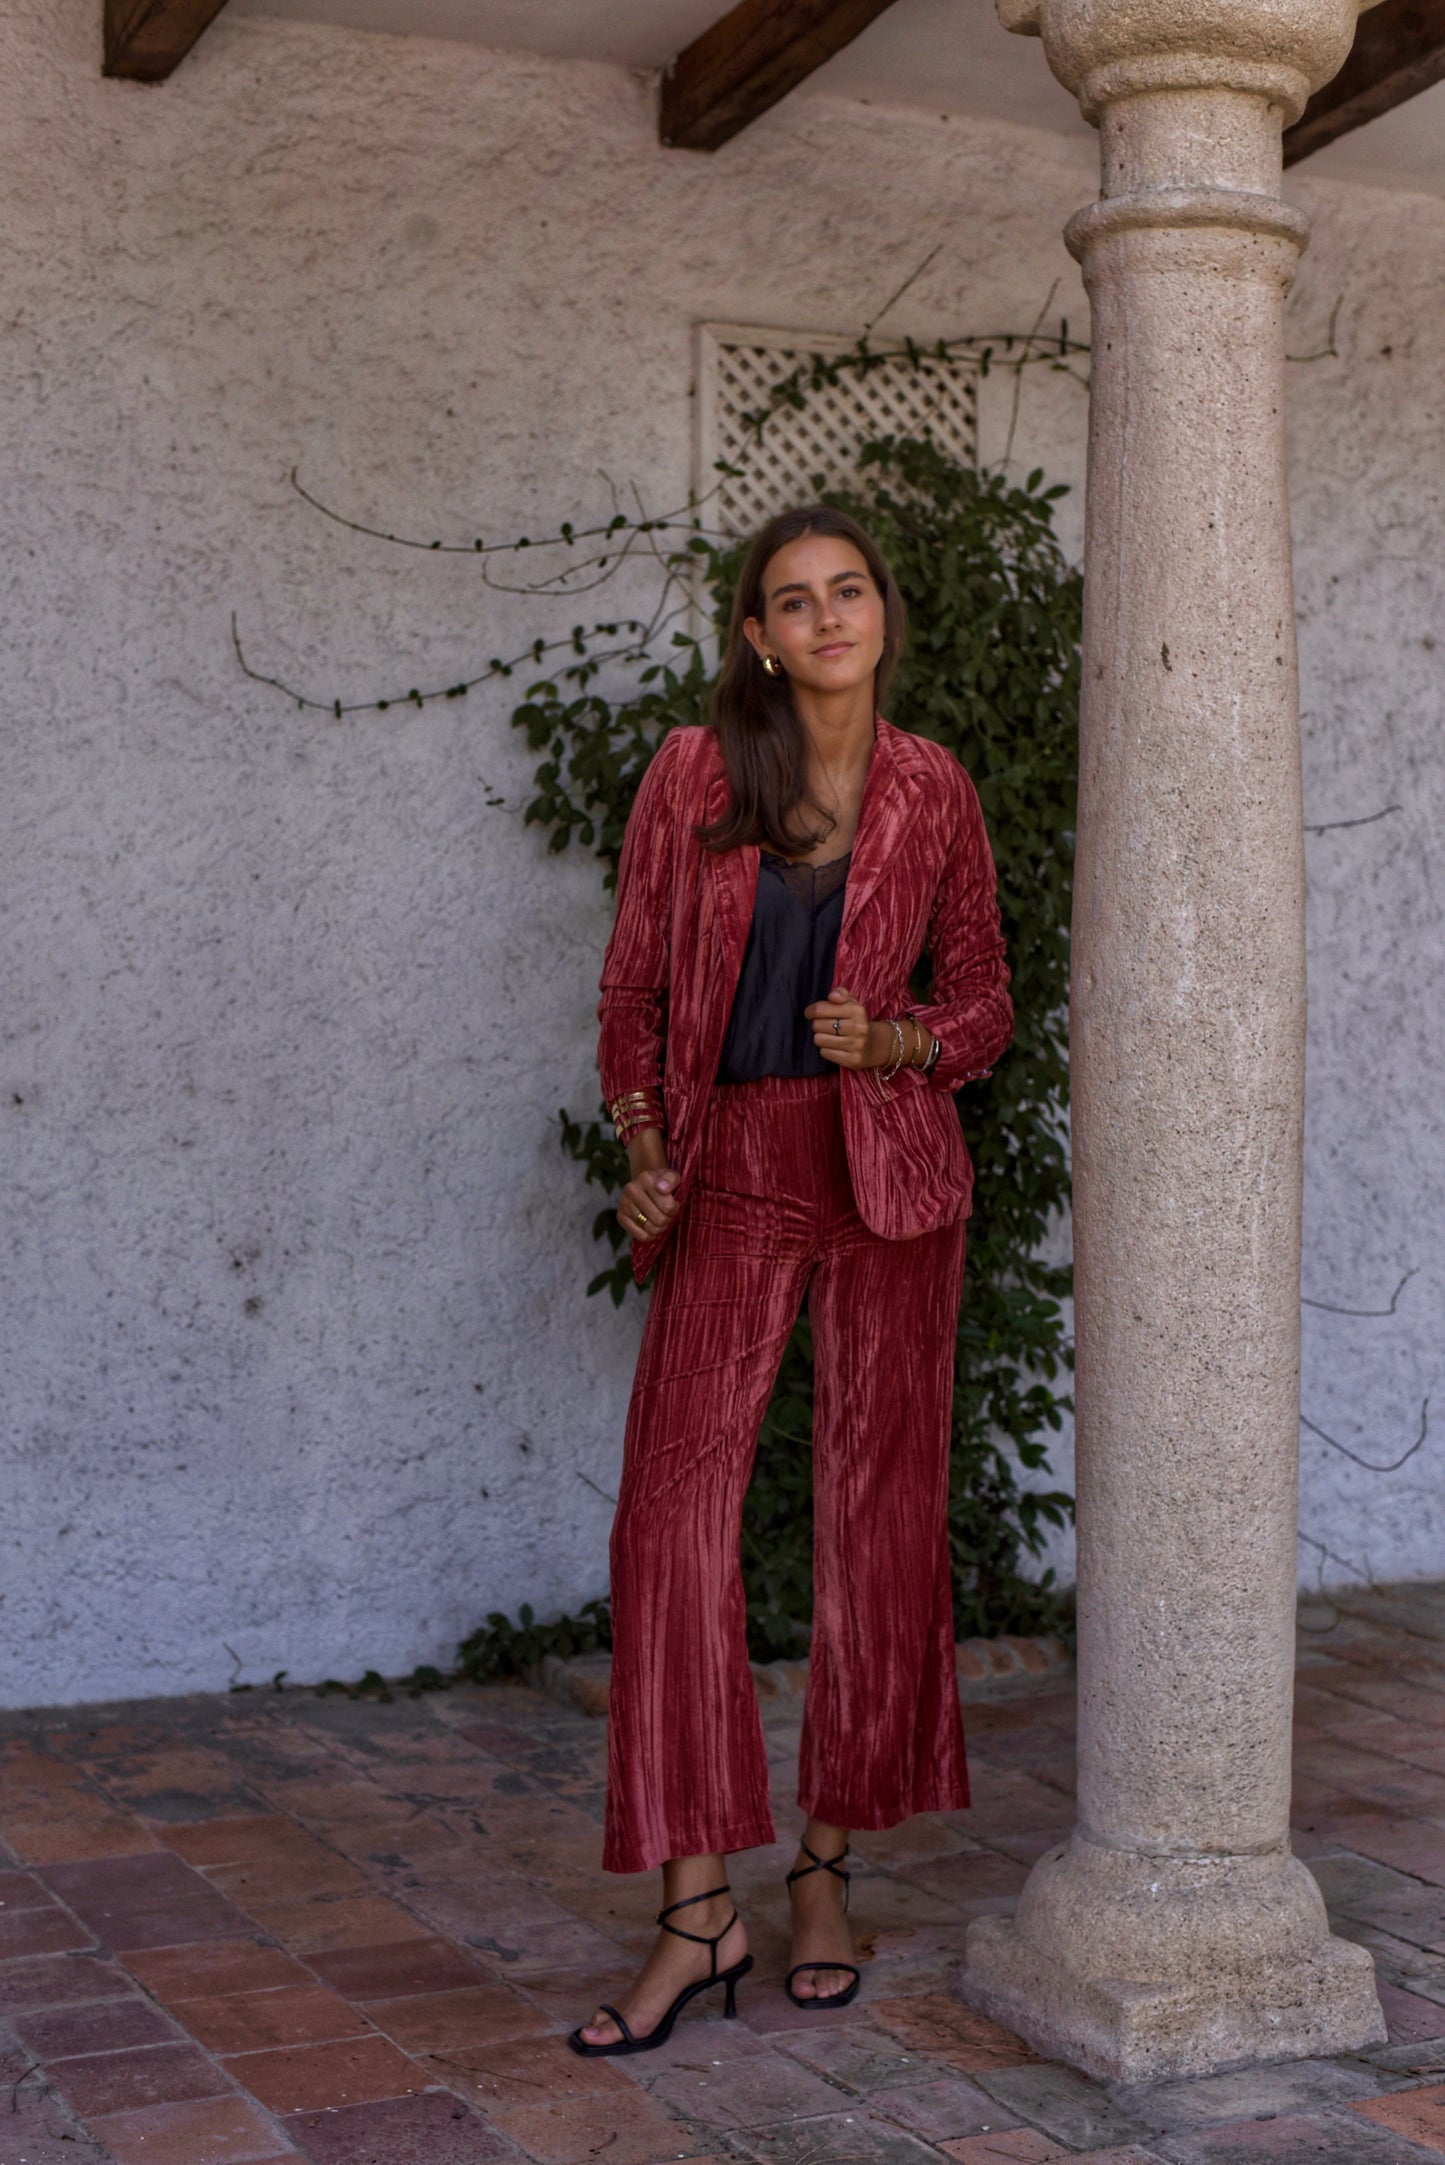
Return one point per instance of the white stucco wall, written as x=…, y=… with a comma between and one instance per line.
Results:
x=1367, y=472
x=297, y=1371
x=1368, y=468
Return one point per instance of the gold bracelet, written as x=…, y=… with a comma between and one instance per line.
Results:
x=887, y=1074
x=631, y=1103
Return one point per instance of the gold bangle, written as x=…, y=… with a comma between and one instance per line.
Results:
x=635, y=1101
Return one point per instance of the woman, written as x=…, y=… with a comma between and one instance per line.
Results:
x=790, y=1131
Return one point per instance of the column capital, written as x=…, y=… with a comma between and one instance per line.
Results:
x=1105, y=50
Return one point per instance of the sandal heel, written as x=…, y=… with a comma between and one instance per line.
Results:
x=626, y=2043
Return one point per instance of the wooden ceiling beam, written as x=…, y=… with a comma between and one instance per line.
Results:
x=146, y=40
x=1399, y=50
x=750, y=58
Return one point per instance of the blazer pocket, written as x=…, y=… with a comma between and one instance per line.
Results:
x=909, y=1162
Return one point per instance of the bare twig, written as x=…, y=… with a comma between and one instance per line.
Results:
x=566, y=535
x=912, y=279
x=1330, y=1308
x=1319, y=1631
x=593, y=1485
x=1327, y=1555
x=1369, y=1464
x=624, y=537
x=642, y=632
x=1013, y=421
x=1329, y=351
x=1331, y=825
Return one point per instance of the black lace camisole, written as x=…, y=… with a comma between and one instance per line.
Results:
x=787, y=965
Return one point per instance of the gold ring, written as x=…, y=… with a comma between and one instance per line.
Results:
x=642, y=1218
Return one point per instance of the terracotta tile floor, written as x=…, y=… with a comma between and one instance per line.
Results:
x=236, y=1930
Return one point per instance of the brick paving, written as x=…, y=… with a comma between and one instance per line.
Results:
x=274, y=1926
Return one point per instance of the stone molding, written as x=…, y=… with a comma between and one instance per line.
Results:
x=1171, y=210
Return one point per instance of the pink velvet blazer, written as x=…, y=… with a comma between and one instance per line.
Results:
x=921, y=876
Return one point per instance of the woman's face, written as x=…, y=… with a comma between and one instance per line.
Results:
x=822, y=615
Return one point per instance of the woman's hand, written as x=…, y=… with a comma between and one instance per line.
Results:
x=649, y=1201
x=844, y=1035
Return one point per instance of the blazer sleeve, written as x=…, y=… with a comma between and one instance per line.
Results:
x=635, y=967
x=970, y=1013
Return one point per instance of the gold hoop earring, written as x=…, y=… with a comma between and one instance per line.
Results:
x=773, y=666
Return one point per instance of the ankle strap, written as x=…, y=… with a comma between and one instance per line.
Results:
x=822, y=1864
x=700, y=1938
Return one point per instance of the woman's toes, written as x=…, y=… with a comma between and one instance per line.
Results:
x=601, y=2030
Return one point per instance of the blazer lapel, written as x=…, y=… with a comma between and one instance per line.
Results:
x=890, y=805
x=733, y=877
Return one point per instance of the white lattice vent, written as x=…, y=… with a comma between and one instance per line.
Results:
x=898, y=396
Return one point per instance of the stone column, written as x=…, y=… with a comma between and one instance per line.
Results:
x=1174, y=1932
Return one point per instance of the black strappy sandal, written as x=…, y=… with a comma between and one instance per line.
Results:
x=627, y=2042
x=801, y=1871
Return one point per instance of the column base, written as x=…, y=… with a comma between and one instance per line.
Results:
x=1141, y=1968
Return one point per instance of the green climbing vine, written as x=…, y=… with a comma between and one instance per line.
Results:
x=991, y=671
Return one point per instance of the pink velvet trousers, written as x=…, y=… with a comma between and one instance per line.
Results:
x=771, y=1218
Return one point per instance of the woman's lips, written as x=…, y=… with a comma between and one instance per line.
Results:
x=839, y=646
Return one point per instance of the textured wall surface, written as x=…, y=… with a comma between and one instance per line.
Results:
x=1367, y=474
x=1368, y=468
x=297, y=1369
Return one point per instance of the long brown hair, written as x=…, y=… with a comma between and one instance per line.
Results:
x=759, y=733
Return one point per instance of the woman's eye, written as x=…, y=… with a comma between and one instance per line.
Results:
x=849, y=593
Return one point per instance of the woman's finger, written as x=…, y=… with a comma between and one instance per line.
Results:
x=646, y=1206
x=824, y=1013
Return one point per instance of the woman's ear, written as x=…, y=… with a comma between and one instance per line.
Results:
x=753, y=632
